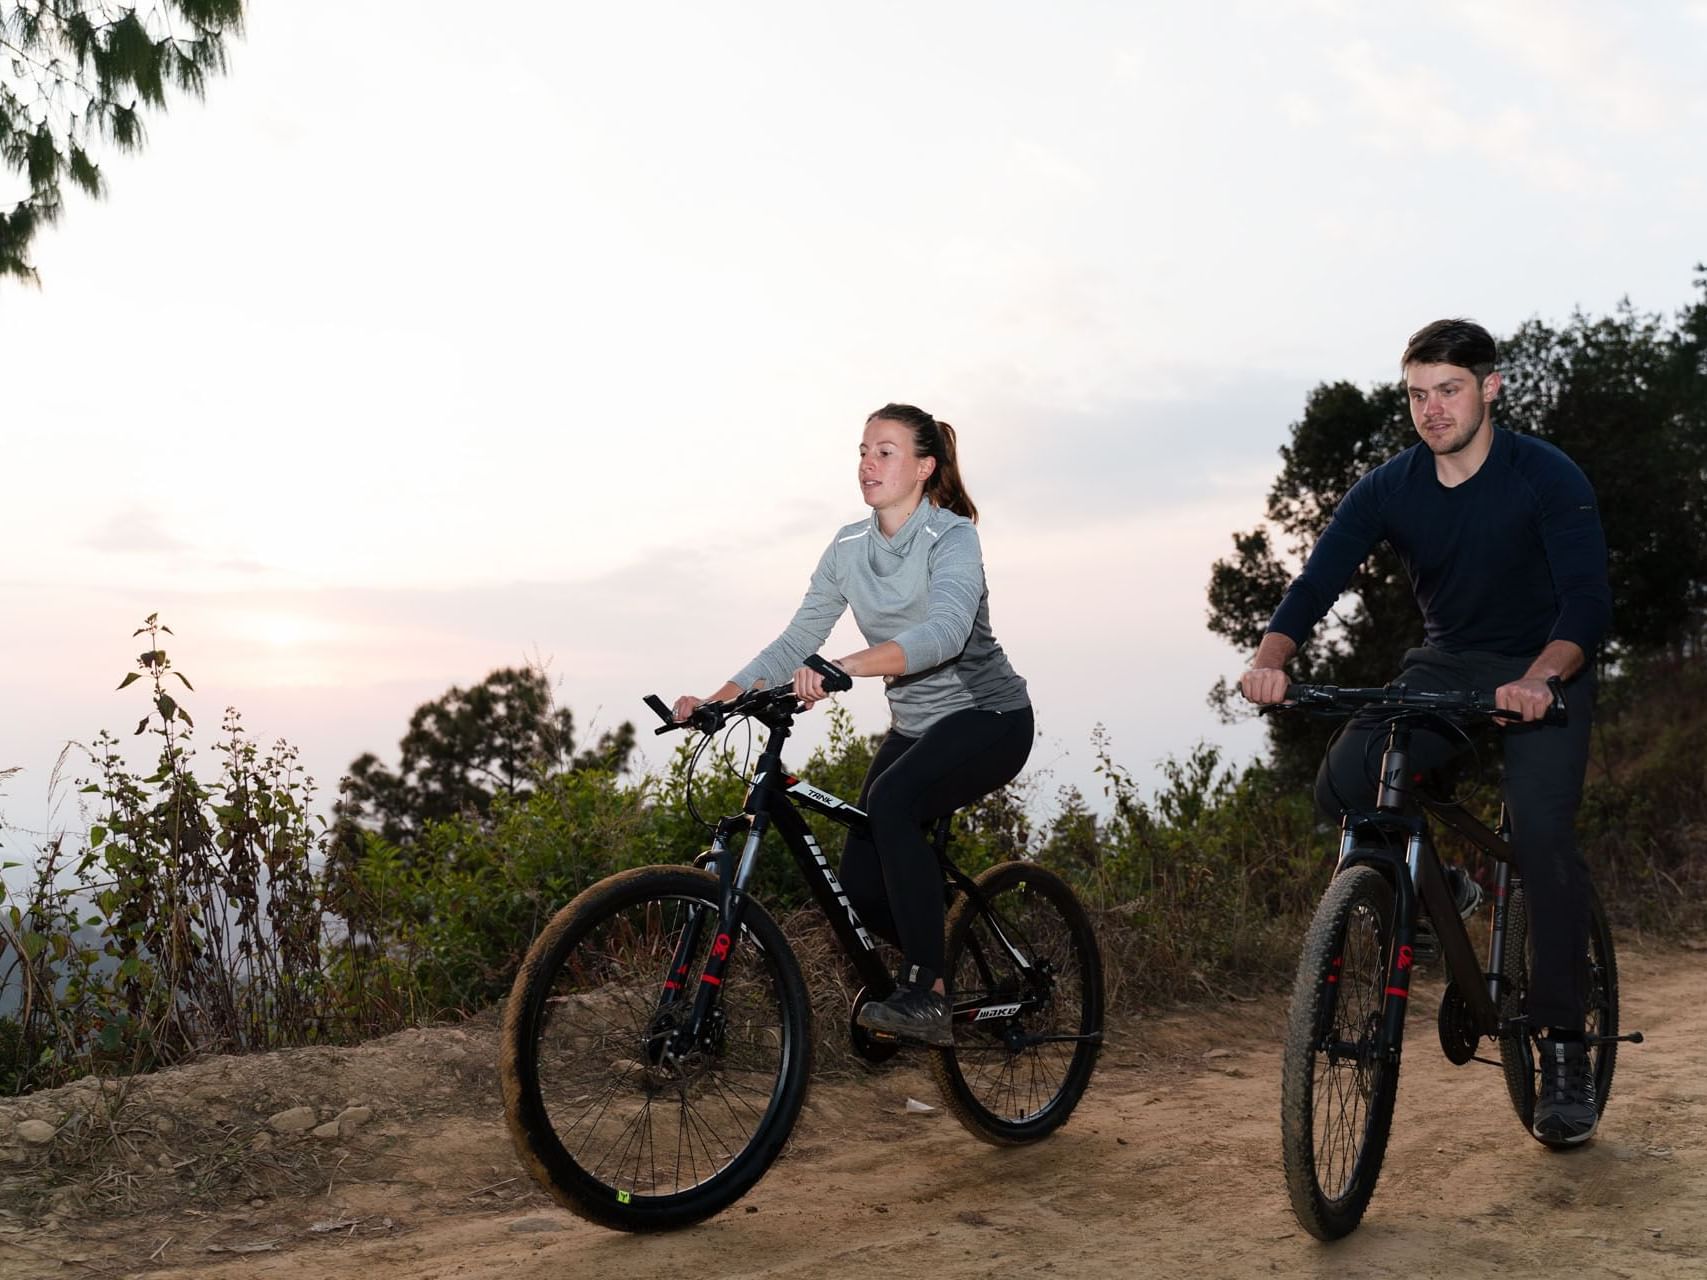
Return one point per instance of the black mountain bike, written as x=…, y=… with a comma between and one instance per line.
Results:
x=1347, y=1018
x=657, y=1043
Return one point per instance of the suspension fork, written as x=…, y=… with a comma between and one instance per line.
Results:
x=1497, y=936
x=687, y=945
x=733, y=876
x=731, y=906
x=1400, y=960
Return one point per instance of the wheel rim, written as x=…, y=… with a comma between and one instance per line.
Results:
x=1010, y=1076
x=1346, y=1066
x=636, y=1110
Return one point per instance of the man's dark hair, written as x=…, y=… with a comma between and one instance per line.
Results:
x=1461, y=342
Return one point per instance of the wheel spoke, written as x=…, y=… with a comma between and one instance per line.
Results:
x=632, y=1105
x=1337, y=1084
x=1002, y=1079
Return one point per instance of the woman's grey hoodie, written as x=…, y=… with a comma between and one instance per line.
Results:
x=924, y=589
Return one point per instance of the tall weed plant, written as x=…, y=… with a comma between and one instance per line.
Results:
x=188, y=920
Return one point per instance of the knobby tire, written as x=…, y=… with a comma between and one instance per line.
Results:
x=1004, y=1088
x=1338, y=1081
x=617, y=1130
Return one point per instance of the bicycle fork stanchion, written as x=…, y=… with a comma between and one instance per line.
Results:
x=1391, y=800
x=691, y=1031
x=732, y=879
x=1496, y=943
x=713, y=859
x=1401, y=955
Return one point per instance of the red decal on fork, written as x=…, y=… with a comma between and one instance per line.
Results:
x=1400, y=983
x=1335, y=975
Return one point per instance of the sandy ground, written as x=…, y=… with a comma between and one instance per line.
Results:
x=1170, y=1167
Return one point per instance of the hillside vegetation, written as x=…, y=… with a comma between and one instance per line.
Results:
x=222, y=916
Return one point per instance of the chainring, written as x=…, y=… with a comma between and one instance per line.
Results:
x=1458, y=1037
x=870, y=1046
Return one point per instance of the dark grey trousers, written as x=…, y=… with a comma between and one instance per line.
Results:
x=1544, y=768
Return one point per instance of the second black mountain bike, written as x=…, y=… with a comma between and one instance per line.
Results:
x=1347, y=1020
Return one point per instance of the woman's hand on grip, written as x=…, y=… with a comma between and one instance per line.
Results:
x=809, y=686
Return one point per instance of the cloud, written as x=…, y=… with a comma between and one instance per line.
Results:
x=1608, y=83
x=1211, y=435
x=136, y=530
x=1402, y=109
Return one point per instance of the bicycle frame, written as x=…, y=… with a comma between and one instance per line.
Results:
x=774, y=799
x=1370, y=838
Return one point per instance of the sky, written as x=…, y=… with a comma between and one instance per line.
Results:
x=422, y=348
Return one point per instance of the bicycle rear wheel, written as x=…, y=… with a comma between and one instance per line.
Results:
x=611, y=1111
x=1025, y=1039
x=1517, y=1049
x=1337, y=1082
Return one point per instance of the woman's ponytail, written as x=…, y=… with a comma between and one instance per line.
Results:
x=934, y=439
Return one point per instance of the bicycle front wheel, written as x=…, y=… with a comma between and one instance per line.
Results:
x=1026, y=1032
x=614, y=1107
x=1337, y=1081
x=1517, y=1050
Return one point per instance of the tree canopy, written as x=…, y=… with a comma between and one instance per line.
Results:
x=75, y=74
x=499, y=736
x=1624, y=395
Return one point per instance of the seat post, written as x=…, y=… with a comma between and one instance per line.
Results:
x=939, y=833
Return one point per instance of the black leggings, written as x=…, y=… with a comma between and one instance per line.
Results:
x=892, y=878
x=1544, y=769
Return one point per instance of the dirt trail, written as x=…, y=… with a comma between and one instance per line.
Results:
x=1169, y=1168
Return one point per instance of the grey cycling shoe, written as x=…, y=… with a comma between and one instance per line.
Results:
x=1565, y=1113
x=915, y=1014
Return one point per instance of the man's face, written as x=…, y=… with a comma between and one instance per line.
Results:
x=1448, y=404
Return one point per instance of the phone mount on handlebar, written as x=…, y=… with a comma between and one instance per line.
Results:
x=657, y=705
x=835, y=679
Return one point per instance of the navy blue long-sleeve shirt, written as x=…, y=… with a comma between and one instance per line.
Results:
x=1512, y=558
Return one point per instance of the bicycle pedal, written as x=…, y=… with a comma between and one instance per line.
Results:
x=1425, y=949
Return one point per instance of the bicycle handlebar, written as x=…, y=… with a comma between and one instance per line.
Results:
x=1398, y=697
x=709, y=717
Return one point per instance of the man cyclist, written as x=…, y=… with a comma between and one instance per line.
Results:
x=1501, y=538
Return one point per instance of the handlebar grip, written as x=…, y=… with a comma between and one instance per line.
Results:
x=835, y=679
x=1556, y=714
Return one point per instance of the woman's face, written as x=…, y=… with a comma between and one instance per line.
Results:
x=891, y=474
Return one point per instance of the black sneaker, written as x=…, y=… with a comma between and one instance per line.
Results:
x=910, y=1013
x=1565, y=1113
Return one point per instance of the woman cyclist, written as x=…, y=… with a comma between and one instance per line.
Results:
x=913, y=573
